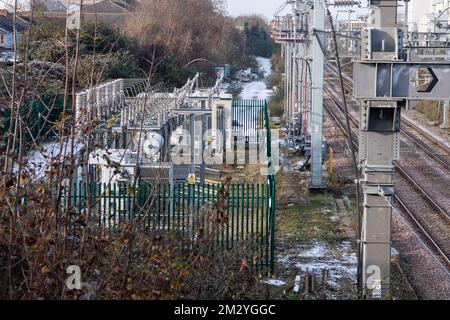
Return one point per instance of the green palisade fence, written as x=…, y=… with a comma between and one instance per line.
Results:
x=232, y=214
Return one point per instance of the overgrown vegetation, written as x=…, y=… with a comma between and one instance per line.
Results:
x=129, y=263
x=174, y=39
x=432, y=110
x=256, y=36
x=41, y=231
x=100, y=48
x=188, y=36
x=275, y=80
x=41, y=104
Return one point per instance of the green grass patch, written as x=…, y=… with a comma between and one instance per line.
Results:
x=311, y=222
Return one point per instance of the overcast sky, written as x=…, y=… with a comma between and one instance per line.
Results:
x=264, y=7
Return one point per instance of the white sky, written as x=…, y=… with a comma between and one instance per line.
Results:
x=264, y=7
x=268, y=7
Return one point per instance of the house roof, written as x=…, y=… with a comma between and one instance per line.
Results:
x=7, y=24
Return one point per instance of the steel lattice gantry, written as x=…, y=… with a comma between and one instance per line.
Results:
x=303, y=50
x=317, y=96
x=386, y=78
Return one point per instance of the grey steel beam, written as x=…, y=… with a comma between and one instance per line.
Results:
x=379, y=145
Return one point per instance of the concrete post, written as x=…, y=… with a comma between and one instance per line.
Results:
x=109, y=98
x=120, y=93
x=116, y=92
x=90, y=104
x=192, y=141
x=98, y=101
x=317, y=91
x=202, y=142
x=288, y=85
x=300, y=89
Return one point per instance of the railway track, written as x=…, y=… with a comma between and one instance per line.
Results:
x=335, y=110
x=400, y=168
x=435, y=149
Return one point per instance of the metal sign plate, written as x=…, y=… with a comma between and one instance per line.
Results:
x=402, y=80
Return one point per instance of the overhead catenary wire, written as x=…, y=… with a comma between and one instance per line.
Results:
x=352, y=147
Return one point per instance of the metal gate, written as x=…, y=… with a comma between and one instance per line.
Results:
x=248, y=119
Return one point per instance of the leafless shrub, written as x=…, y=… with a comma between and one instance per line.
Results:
x=41, y=233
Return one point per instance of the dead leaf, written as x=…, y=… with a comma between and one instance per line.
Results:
x=243, y=265
x=45, y=269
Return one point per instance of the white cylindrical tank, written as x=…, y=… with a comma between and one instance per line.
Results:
x=153, y=143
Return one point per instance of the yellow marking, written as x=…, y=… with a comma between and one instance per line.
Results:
x=331, y=161
x=191, y=179
x=211, y=181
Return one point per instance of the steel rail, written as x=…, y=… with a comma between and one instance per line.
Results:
x=445, y=164
x=426, y=196
x=402, y=171
x=427, y=235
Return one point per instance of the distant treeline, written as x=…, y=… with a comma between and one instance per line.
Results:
x=258, y=42
x=162, y=37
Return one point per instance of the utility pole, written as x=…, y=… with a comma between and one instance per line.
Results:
x=295, y=34
x=316, y=182
x=292, y=33
x=348, y=40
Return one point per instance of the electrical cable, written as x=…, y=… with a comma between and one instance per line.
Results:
x=352, y=147
x=280, y=8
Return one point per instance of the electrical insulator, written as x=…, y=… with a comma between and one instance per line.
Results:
x=346, y=3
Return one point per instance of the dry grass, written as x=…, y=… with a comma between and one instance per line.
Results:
x=431, y=109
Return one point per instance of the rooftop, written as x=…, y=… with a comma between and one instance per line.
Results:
x=7, y=23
